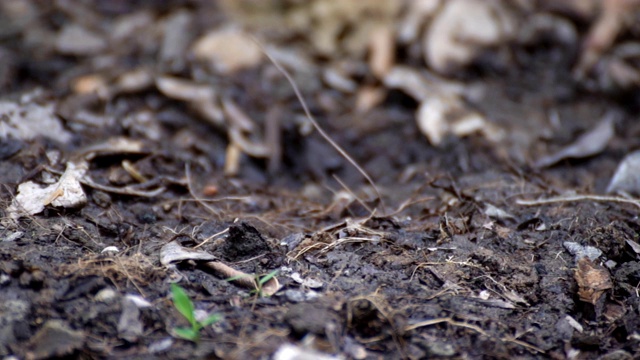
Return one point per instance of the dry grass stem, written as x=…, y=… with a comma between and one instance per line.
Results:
x=187, y=170
x=317, y=126
x=573, y=198
x=212, y=237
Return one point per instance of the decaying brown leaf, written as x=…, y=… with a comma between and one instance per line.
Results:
x=593, y=280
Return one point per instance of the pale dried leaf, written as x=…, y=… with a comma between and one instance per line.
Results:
x=334, y=78
x=294, y=352
x=30, y=120
x=202, y=97
x=183, y=89
x=134, y=80
x=236, y=117
x=227, y=50
x=76, y=40
x=574, y=324
x=589, y=144
x=495, y=212
x=174, y=252
x=627, y=175
x=411, y=24
x=247, y=146
x=67, y=192
x=113, y=146
x=432, y=120
x=382, y=50
x=307, y=281
x=580, y=251
x=634, y=246
x=462, y=30
x=369, y=97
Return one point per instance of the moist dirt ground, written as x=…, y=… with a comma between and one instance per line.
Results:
x=448, y=262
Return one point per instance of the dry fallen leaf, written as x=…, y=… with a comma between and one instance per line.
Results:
x=439, y=116
x=227, y=50
x=593, y=280
x=627, y=176
x=76, y=40
x=202, y=97
x=463, y=29
x=589, y=144
x=27, y=120
x=67, y=192
x=382, y=51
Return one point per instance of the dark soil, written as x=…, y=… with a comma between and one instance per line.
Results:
x=431, y=273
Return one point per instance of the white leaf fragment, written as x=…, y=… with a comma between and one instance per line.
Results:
x=138, y=300
x=306, y=282
x=293, y=352
x=67, y=192
x=574, y=324
x=627, y=175
x=174, y=252
x=496, y=212
x=30, y=120
x=109, y=249
x=580, y=251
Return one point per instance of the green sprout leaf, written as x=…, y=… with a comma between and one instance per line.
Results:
x=182, y=302
x=211, y=319
x=187, y=334
x=268, y=277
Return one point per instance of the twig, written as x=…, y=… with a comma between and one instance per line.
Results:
x=352, y=194
x=447, y=320
x=572, y=198
x=127, y=190
x=212, y=237
x=123, y=191
x=313, y=121
x=522, y=343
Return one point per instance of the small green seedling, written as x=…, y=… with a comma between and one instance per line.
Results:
x=259, y=281
x=183, y=303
